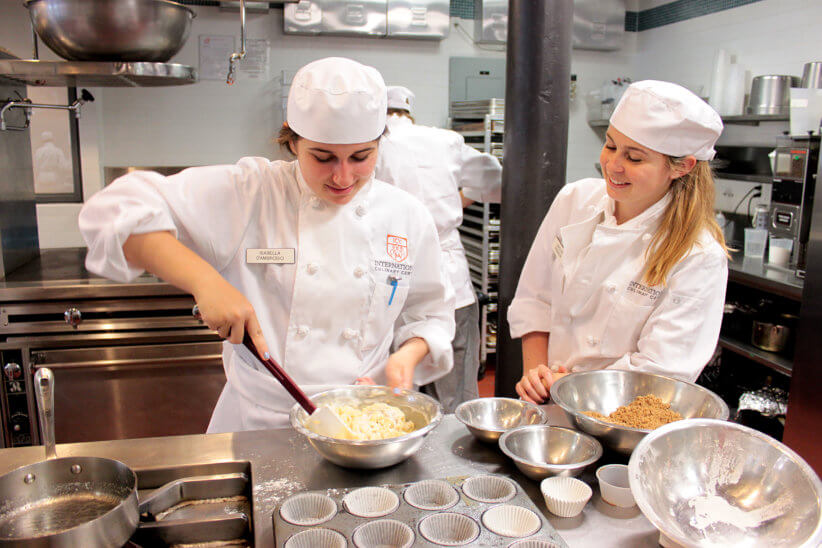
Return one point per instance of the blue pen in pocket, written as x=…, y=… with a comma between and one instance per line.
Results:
x=393, y=281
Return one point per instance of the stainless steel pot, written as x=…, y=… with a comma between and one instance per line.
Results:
x=110, y=30
x=771, y=94
x=69, y=501
x=769, y=336
x=812, y=75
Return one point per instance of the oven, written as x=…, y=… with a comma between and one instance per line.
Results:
x=128, y=365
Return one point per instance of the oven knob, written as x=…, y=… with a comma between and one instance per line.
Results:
x=17, y=428
x=73, y=317
x=12, y=370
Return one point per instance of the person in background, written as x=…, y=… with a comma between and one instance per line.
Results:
x=332, y=273
x=629, y=272
x=436, y=166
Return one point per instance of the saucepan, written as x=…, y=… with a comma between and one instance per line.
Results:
x=69, y=501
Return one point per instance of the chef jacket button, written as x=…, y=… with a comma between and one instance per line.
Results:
x=303, y=330
x=611, y=288
x=677, y=300
x=349, y=333
x=312, y=268
x=592, y=341
x=585, y=280
x=646, y=237
x=317, y=203
x=360, y=210
x=359, y=271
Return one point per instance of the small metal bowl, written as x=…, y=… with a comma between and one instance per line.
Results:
x=605, y=390
x=541, y=450
x=424, y=411
x=488, y=418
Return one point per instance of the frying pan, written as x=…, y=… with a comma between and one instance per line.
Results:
x=68, y=501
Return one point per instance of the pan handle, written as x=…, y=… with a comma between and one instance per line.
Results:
x=44, y=391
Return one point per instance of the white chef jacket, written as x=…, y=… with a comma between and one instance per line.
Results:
x=582, y=283
x=434, y=164
x=330, y=315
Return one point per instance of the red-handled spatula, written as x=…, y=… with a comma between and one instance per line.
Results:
x=322, y=420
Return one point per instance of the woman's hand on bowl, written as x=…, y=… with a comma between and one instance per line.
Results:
x=536, y=382
x=364, y=381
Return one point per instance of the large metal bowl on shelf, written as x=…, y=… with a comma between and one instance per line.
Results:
x=705, y=482
x=424, y=411
x=109, y=30
x=605, y=390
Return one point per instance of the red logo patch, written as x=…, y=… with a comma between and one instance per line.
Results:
x=397, y=248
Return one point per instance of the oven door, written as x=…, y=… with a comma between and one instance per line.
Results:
x=130, y=385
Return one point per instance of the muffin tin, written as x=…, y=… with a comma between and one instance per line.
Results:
x=486, y=510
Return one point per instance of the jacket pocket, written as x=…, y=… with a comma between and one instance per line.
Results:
x=624, y=327
x=387, y=302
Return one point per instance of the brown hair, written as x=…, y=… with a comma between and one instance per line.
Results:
x=401, y=112
x=690, y=211
x=286, y=138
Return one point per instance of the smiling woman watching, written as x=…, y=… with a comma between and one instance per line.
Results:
x=629, y=272
x=332, y=273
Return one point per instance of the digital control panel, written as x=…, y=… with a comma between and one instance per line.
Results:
x=17, y=422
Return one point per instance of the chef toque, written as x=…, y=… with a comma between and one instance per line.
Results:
x=400, y=97
x=337, y=101
x=667, y=118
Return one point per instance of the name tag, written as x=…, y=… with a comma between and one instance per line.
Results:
x=270, y=256
x=558, y=248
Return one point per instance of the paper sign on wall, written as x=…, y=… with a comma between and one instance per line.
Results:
x=215, y=51
x=255, y=63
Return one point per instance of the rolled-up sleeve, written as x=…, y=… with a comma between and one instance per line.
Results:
x=480, y=174
x=429, y=309
x=206, y=208
x=681, y=333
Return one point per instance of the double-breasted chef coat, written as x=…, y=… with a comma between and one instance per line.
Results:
x=335, y=288
x=582, y=283
x=434, y=164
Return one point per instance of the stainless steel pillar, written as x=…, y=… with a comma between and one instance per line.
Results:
x=536, y=141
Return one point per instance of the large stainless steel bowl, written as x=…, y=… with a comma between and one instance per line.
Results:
x=706, y=482
x=541, y=450
x=111, y=30
x=605, y=390
x=488, y=418
x=425, y=412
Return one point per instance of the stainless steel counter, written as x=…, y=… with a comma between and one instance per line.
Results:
x=282, y=463
x=757, y=273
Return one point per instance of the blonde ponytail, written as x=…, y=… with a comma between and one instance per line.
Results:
x=690, y=211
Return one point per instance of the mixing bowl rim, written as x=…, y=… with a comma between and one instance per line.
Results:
x=191, y=12
x=540, y=411
x=581, y=464
x=725, y=411
x=421, y=432
x=642, y=447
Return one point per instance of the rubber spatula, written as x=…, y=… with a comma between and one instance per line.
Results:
x=322, y=420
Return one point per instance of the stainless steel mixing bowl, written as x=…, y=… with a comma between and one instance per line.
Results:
x=605, y=390
x=111, y=30
x=541, y=450
x=689, y=476
x=425, y=412
x=488, y=418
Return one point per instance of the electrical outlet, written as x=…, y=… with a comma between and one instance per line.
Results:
x=730, y=192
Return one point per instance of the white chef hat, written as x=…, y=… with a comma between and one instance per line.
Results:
x=400, y=97
x=337, y=101
x=667, y=118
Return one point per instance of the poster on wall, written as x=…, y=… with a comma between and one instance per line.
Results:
x=215, y=51
x=54, y=147
x=255, y=64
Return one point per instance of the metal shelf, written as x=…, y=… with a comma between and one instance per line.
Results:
x=96, y=74
x=759, y=275
x=768, y=359
x=755, y=119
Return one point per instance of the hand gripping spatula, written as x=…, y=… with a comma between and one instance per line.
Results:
x=322, y=420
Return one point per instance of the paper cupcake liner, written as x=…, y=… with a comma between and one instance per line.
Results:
x=533, y=543
x=308, y=509
x=314, y=538
x=371, y=502
x=565, y=497
x=383, y=532
x=489, y=489
x=508, y=520
x=432, y=495
x=449, y=529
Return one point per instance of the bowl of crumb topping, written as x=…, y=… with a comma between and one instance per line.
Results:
x=620, y=407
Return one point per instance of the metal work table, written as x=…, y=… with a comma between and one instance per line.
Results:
x=759, y=274
x=283, y=463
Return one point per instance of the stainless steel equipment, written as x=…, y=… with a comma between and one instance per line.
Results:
x=812, y=75
x=490, y=21
x=769, y=336
x=604, y=390
x=792, y=193
x=90, y=30
x=541, y=450
x=488, y=418
x=69, y=501
x=425, y=412
x=716, y=483
x=771, y=94
x=428, y=19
